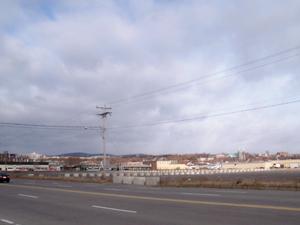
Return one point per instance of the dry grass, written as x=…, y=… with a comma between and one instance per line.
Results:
x=221, y=183
x=100, y=180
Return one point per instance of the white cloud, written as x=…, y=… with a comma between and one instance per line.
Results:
x=61, y=60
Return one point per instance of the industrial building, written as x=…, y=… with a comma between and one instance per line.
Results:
x=288, y=163
x=24, y=166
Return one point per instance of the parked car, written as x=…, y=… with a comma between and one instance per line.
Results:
x=4, y=178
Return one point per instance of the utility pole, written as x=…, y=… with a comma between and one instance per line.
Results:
x=105, y=111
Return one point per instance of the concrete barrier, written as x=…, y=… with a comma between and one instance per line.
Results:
x=139, y=180
x=128, y=180
x=117, y=179
x=148, y=181
x=152, y=181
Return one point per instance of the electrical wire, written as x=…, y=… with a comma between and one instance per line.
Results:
x=45, y=126
x=208, y=116
x=156, y=123
x=212, y=75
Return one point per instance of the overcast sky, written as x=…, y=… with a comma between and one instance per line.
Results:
x=59, y=59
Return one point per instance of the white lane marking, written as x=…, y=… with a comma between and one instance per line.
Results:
x=7, y=221
x=199, y=194
x=113, y=209
x=28, y=196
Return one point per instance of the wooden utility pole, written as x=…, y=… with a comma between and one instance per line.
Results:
x=105, y=111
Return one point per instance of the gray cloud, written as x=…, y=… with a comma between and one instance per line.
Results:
x=60, y=60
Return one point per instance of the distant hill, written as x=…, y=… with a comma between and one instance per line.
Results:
x=135, y=155
x=79, y=154
x=84, y=154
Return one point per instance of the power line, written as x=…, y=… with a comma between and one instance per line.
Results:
x=47, y=126
x=208, y=116
x=221, y=77
x=156, y=123
x=212, y=75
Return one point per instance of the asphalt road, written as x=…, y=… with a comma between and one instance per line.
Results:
x=30, y=202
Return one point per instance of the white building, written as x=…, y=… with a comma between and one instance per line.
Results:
x=170, y=165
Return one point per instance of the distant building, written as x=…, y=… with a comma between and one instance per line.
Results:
x=135, y=166
x=10, y=157
x=170, y=165
x=220, y=156
x=90, y=166
x=35, y=156
x=274, y=164
x=24, y=166
x=282, y=154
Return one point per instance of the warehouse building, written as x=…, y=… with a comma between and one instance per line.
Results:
x=24, y=166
